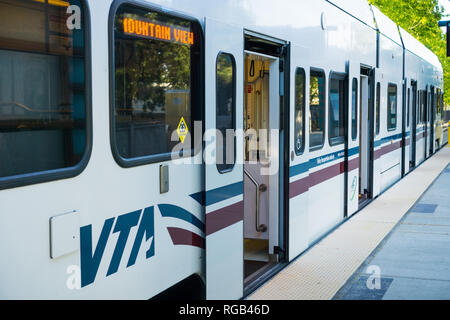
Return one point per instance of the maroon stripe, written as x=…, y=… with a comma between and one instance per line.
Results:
x=420, y=136
x=186, y=238
x=387, y=149
x=326, y=174
x=225, y=217
x=408, y=141
x=353, y=164
x=298, y=187
x=303, y=185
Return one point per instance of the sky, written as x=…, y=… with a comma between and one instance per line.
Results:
x=446, y=5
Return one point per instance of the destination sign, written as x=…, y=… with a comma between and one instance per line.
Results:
x=156, y=30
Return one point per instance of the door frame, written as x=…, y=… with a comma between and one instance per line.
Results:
x=222, y=197
x=413, y=124
x=404, y=120
x=370, y=74
x=266, y=45
x=425, y=117
x=432, y=118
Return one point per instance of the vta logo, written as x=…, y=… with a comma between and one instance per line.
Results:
x=354, y=186
x=90, y=260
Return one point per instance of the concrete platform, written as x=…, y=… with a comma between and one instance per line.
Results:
x=399, y=246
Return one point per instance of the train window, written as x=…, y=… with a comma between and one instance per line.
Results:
x=43, y=91
x=392, y=107
x=436, y=101
x=354, y=109
x=317, y=109
x=421, y=113
x=156, y=98
x=225, y=111
x=299, y=125
x=378, y=108
x=336, y=116
x=408, y=106
x=419, y=108
x=438, y=104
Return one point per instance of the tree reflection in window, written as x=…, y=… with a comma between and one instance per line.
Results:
x=153, y=87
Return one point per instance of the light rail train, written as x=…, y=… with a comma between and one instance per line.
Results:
x=97, y=97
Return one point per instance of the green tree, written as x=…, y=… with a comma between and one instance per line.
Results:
x=420, y=19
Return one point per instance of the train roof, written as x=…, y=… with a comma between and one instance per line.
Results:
x=386, y=26
x=419, y=49
x=360, y=9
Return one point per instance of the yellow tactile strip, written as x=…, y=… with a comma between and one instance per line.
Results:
x=324, y=269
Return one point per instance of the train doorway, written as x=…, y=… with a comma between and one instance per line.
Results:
x=412, y=162
x=431, y=112
x=265, y=211
x=366, y=137
x=261, y=172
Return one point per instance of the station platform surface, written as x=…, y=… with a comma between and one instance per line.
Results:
x=398, y=247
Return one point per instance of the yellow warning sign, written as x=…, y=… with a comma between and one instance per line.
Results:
x=182, y=130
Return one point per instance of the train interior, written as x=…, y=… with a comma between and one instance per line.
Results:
x=364, y=141
x=260, y=187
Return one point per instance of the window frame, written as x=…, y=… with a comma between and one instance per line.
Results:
x=302, y=150
x=233, y=62
x=389, y=129
x=408, y=111
x=355, y=80
x=39, y=177
x=196, y=113
x=322, y=71
x=336, y=141
x=377, y=108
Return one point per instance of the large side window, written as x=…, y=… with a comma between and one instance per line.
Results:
x=43, y=91
x=423, y=96
x=392, y=107
x=408, y=107
x=419, y=108
x=156, y=81
x=317, y=109
x=438, y=104
x=225, y=111
x=378, y=108
x=299, y=126
x=336, y=110
x=354, y=109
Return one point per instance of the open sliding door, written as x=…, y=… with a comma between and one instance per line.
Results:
x=223, y=160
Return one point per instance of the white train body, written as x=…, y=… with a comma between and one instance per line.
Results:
x=107, y=229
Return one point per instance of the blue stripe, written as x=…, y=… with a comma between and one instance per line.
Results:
x=298, y=169
x=319, y=161
x=170, y=211
x=224, y=193
x=354, y=151
x=387, y=139
x=220, y=194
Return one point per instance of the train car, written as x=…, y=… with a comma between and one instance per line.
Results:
x=421, y=63
x=154, y=148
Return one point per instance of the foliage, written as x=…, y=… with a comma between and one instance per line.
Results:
x=420, y=19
